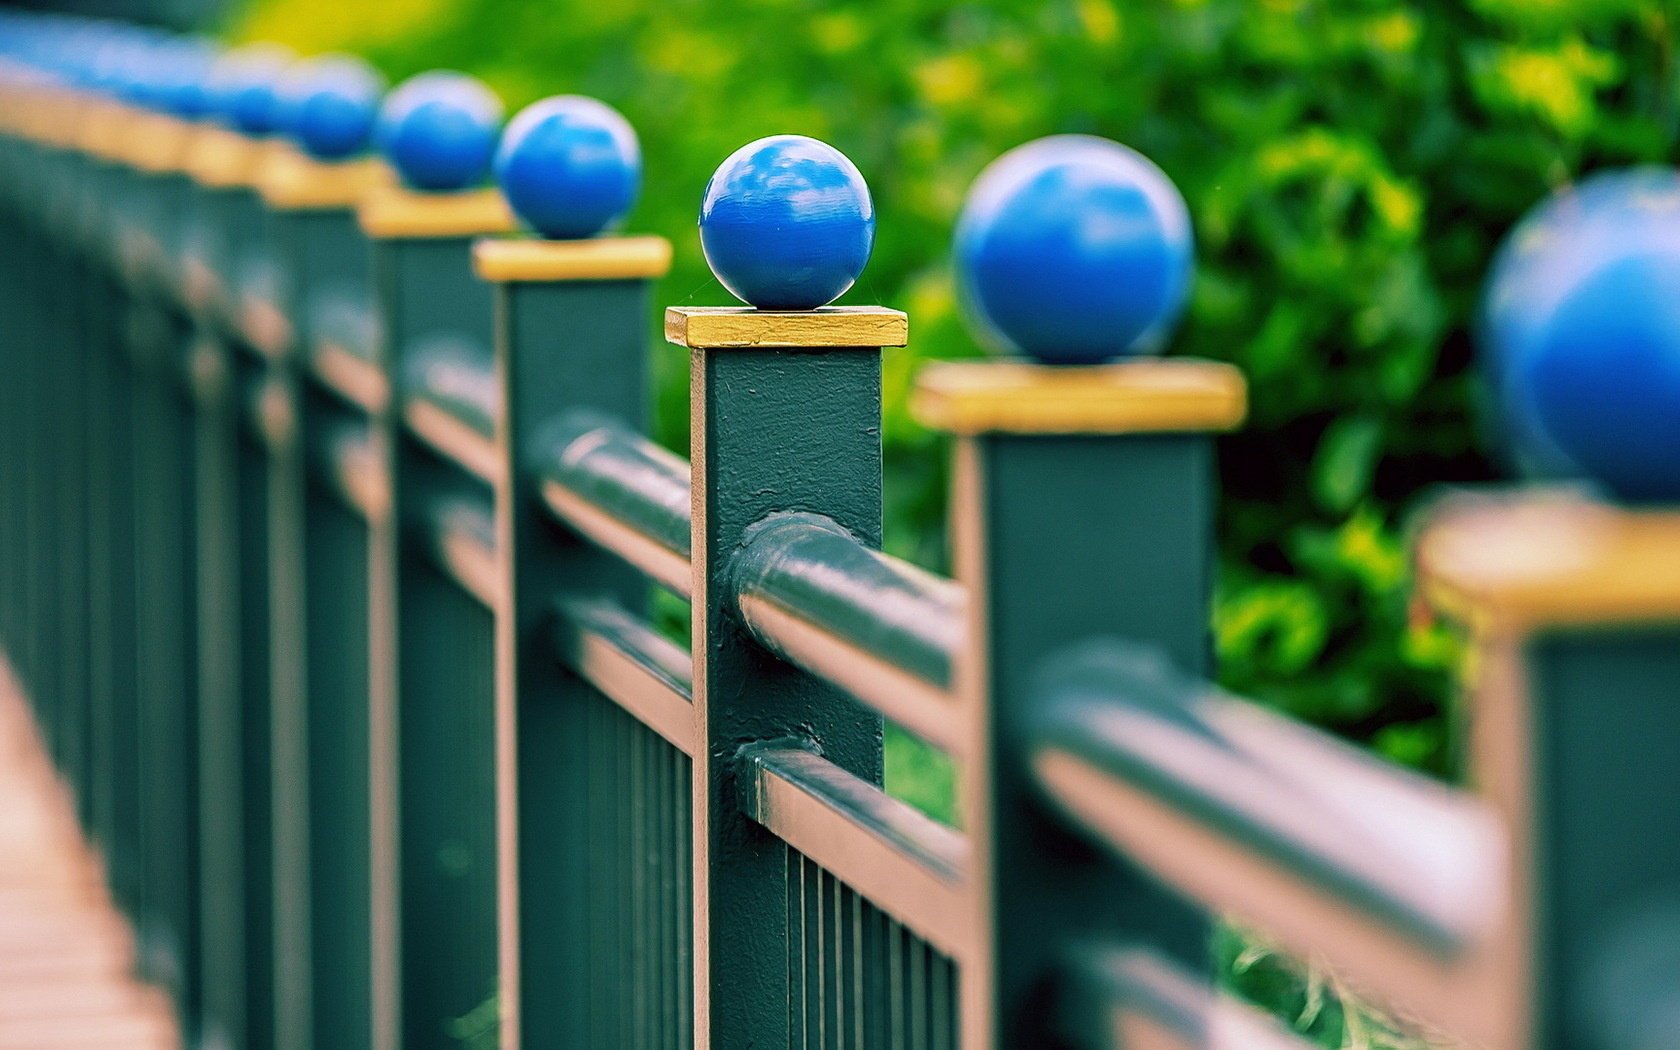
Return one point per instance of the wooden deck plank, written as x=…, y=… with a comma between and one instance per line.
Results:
x=66, y=954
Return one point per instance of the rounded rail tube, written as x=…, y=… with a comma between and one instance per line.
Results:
x=622, y=492
x=881, y=629
x=1396, y=881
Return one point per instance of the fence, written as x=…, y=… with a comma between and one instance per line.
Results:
x=328, y=533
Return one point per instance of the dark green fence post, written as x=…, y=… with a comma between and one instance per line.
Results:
x=432, y=642
x=319, y=613
x=1080, y=509
x=786, y=417
x=1574, y=614
x=224, y=241
x=161, y=578
x=571, y=334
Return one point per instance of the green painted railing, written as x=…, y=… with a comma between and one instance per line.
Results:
x=327, y=532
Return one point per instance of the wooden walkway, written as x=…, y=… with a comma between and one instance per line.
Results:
x=66, y=954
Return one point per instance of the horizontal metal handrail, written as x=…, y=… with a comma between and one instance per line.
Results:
x=349, y=464
x=1395, y=880
x=622, y=492
x=1114, y=993
x=451, y=405
x=880, y=628
x=907, y=864
x=460, y=534
x=343, y=333
x=621, y=655
x=353, y=378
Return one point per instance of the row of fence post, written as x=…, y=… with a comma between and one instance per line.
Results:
x=327, y=538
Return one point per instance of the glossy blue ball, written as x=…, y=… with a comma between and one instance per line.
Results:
x=183, y=88
x=439, y=130
x=244, y=87
x=569, y=166
x=1601, y=373
x=1559, y=244
x=787, y=223
x=330, y=105
x=1073, y=250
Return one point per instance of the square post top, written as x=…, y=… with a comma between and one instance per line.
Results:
x=1549, y=560
x=293, y=181
x=397, y=212
x=742, y=327
x=219, y=159
x=528, y=260
x=1139, y=396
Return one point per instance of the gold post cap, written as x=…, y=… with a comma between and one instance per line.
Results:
x=742, y=327
x=398, y=212
x=594, y=259
x=99, y=128
x=220, y=159
x=155, y=143
x=1549, y=559
x=294, y=181
x=974, y=397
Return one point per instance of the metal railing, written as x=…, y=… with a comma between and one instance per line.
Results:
x=328, y=529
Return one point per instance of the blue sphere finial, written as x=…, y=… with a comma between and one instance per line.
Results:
x=569, y=166
x=439, y=130
x=330, y=104
x=183, y=86
x=244, y=87
x=1581, y=326
x=1074, y=250
x=787, y=223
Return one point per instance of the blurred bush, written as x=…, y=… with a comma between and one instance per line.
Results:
x=1349, y=165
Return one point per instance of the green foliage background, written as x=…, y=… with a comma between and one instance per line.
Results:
x=1349, y=165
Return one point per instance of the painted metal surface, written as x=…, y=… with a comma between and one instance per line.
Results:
x=433, y=706
x=371, y=719
x=900, y=860
x=1138, y=565
x=1603, y=921
x=883, y=630
x=622, y=492
x=595, y=836
x=1121, y=997
x=1320, y=811
x=757, y=452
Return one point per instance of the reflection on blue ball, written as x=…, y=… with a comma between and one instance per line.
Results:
x=569, y=166
x=439, y=130
x=330, y=105
x=244, y=87
x=1587, y=333
x=1560, y=243
x=1073, y=250
x=787, y=223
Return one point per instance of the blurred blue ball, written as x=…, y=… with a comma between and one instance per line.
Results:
x=244, y=87
x=1558, y=244
x=787, y=223
x=1586, y=333
x=183, y=88
x=439, y=130
x=1074, y=250
x=570, y=166
x=330, y=105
